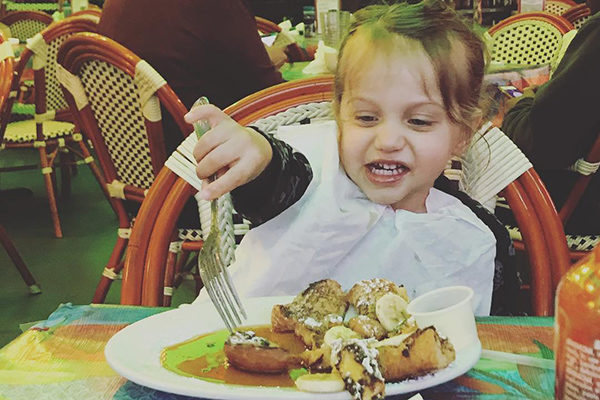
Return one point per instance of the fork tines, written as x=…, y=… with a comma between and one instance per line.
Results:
x=221, y=291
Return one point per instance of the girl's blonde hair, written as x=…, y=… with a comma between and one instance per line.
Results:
x=456, y=53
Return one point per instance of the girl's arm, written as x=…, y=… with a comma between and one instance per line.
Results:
x=279, y=186
x=266, y=175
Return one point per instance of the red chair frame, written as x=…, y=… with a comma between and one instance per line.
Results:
x=559, y=22
x=144, y=272
x=74, y=53
x=50, y=150
x=7, y=66
x=577, y=12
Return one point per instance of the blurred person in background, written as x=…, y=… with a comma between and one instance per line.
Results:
x=202, y=48
x=557, y=124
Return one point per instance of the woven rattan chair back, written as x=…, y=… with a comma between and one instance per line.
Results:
x=116, y=97
x=47, y=6
x=528, y=38
x=577, y=15
x=25, y=24
x=298, y=102
x=50, y=132
x=558, y=7
x=42, y=48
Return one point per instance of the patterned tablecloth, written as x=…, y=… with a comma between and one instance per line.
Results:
x=63, y=358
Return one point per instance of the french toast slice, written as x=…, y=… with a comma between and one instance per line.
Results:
x=363, y=296
x=365, y=367
x=311, y=313
x=423, y=352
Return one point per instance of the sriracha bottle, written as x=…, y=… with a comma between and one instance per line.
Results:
x=577, y=331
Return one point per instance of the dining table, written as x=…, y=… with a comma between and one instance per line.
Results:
x=62, y=357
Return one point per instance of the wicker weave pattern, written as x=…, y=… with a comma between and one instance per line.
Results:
x=294, y=116
x=556, y=7
x=115, y=103
x=574, y=242
x=25, y=29
x=24, y=131
x=15, y=6
x=580, y=21
x=532, y=43
x=55, y=100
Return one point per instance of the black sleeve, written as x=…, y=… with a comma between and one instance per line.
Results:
x=561, y=122
x=277, y=188
x=507, y=297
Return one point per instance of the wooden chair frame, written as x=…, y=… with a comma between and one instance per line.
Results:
x=558, y=7
x=511, y=37
x=73, y=55
x=7, y=66
x=50, y=148
x=144, y=273
x=17, y=16
x=560, y=23
x=577, y=14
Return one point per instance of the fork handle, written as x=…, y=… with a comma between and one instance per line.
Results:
x=202, y=126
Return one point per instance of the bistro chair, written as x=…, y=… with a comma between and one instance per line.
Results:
x=116, y=98
x=308, y=100
x=577, y=15
x=532, y=38
x=578, y=245
x=558, y=7
x=7, y=65
x=47, y=6
x=586, y=167
x=92, y=13
x=51, y=132
x=26, y=24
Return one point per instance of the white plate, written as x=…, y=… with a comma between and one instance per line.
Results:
x=134, y=353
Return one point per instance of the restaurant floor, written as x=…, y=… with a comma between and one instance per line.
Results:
x=67, y=269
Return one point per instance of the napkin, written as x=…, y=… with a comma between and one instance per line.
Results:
x=324, y=62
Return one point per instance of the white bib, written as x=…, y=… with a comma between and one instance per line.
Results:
x=335, y=231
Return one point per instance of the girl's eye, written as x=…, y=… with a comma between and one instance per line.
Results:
x=366, y=119
x=420, y=122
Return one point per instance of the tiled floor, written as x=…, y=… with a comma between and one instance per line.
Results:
x=67, y=269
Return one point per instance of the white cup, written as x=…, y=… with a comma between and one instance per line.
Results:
x=450, y=311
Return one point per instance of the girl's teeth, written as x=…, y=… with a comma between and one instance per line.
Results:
x=387, y=169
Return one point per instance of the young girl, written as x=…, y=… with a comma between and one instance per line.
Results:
x=355, y=199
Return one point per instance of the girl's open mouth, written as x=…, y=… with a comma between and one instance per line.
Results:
x=385, y=172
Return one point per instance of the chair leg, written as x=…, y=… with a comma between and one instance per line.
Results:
x=47, y=172
x=111, y=271
x=174, y=250
x=14, y=255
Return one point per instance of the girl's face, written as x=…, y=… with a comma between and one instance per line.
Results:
x=395, y=135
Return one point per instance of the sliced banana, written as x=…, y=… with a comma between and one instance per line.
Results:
x=391, y=310
x=320, y=383
x=339, y=332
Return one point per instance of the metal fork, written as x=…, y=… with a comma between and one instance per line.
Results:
x=213, y=271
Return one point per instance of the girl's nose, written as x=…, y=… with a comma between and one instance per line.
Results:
x=389, y=137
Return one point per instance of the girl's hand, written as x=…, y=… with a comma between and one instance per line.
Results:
x=235, y=154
